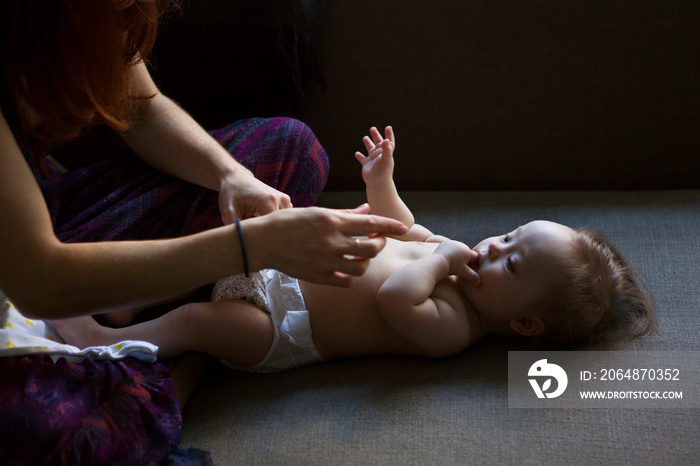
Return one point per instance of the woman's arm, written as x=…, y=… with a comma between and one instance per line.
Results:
x=409, y=302
x=49, y=279
x=46, y=278
x=168, y=139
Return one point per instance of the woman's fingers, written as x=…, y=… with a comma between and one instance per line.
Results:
x=365, y=247
x=315, y=244
x=357, y=221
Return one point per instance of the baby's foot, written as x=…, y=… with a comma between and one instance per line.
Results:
x=82, y=332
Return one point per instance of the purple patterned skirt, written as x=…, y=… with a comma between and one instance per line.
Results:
x=97, y=412
x=124, y=199
x=101, y=412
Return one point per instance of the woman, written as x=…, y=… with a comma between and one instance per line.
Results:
x=145, y=227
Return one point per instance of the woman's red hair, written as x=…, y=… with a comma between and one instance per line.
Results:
x=66, y=63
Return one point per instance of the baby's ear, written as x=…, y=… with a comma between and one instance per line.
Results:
x=528, y=326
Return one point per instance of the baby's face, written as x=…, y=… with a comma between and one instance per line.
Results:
x=516, y=269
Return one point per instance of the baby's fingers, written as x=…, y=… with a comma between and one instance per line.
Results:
x=470, y=276
x=471, y=268
x=360, y=157
x=473, y=277
x=376, y=136
x=369, y=145
x=386, y=148
x=389, y=133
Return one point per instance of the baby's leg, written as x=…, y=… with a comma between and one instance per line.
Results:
x=124, y=317
x=236, y=331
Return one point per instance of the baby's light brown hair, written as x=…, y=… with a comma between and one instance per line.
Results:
x=601, y=299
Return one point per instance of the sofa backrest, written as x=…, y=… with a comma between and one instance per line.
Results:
x=515, y=95
x=594, y=94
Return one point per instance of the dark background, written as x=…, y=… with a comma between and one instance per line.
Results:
x=482, y=95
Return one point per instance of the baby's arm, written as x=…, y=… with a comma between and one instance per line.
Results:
x=378, y=172
x=410, y=303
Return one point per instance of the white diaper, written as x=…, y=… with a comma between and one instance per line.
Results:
x=280, y=296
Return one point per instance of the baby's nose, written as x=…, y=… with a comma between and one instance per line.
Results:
x=494, y=250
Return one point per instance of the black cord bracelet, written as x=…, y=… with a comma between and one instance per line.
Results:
x=245, y=256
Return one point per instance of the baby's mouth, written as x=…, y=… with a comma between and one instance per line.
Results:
x=476, y=265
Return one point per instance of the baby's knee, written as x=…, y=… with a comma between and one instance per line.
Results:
x=196, y=316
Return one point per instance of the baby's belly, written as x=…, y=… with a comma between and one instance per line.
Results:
x=346, y=321
x=341, y=318
x=345, y=324
x=360, y=298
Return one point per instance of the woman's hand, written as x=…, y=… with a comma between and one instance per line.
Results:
x=241, y=195
x=314, y=244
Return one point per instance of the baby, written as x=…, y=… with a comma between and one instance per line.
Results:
x=423, y=295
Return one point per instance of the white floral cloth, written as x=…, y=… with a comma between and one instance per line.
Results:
x=20, y=336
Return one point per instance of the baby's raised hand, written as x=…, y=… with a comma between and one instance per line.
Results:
x=378, y=164
x=459, y=256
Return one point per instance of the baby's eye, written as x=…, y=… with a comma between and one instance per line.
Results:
x=509, y=265
x=505, y=238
